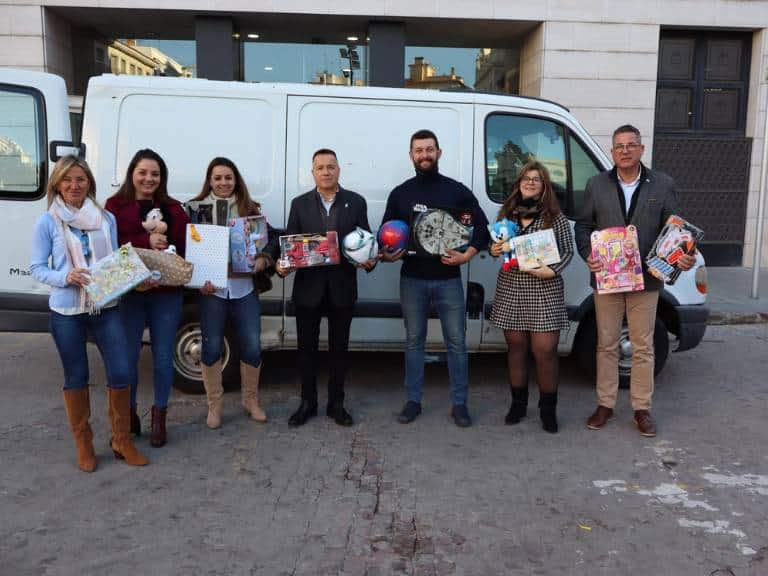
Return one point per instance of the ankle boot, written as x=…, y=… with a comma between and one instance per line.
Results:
x=78, y=406
x=548, y=411
x=519, y=406
x=249, y=388
x=214, y=390
x=135, y=422
x=158, y=437
x=119, y=403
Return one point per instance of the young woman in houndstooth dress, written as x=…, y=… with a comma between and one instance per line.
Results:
x=530, y=305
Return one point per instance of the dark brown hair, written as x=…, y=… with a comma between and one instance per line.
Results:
x=424, y=135
x=127, y=192
x=245, y=206
x=548, y=200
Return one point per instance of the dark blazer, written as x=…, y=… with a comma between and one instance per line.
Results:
x=654, y=201
x=307, y=217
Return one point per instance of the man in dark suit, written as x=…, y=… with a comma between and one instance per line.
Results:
x=329, y=291
x=630, y=193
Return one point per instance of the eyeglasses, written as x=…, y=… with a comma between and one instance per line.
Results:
x=631, y=147
x=534, y=179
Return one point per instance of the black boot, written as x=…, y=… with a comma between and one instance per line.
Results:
x=306, y=411
x=519, y=405
x=548, y=411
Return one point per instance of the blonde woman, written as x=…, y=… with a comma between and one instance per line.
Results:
x=74, y=233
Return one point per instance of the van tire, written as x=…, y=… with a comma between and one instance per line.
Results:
x=187, y=349
x=585, y=349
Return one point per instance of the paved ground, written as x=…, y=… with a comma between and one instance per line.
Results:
x=730, y=296
x=382, y=498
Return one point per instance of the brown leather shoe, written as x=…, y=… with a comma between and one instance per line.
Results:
x=599, y=418
x=645, y=423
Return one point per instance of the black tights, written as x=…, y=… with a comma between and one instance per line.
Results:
x=543, y=347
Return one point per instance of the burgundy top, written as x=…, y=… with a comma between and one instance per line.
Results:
x=129, y=228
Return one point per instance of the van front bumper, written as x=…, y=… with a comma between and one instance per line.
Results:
x=691, y=324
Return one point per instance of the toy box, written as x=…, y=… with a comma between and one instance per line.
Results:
x=247, y=237
x=434, y=231
x=534, y=249
x=306, y=250
x=618, y=250
x=677, y=238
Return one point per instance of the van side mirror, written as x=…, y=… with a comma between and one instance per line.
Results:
x=60, y=148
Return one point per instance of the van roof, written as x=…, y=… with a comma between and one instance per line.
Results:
x=198, y=85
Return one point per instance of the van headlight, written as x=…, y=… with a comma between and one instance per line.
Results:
x=701, y=279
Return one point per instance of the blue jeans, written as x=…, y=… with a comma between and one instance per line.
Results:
x=161, y=311
x=447, y=297
x=245, y=312
x=70, y=332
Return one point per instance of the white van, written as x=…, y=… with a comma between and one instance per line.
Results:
x=271, y=131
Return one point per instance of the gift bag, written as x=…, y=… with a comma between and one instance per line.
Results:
x=114, y=275
x=170, y=269
x=208, y=250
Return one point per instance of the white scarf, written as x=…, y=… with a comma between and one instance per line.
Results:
x=231, y=201
x=90, y=219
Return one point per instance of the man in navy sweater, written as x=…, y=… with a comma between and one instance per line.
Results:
x=434, y=281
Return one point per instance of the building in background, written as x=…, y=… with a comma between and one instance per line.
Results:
x=424, y=75
x=692, y=75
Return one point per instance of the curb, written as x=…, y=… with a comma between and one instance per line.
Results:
x=717, y=318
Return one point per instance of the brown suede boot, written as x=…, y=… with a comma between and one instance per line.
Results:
x=214, y=391
x=120, y=416
x=249, y=387
x=78, y=405
x=159, y=436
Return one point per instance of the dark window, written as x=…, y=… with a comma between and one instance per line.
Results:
x=703, y=83
x=22, y=143
x=513, y=140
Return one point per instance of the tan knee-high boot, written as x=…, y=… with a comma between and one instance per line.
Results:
x=214, y=391
x=78, y=405
x=120, y=416
x=249, y=387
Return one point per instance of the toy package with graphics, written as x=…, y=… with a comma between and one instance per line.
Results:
x=434, y=231
x=678, y=237
x=618, y=251
x=247, y=238
x=536, y=249
x=306, y=250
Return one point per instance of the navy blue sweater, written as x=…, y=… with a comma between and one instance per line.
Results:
x=435, y=191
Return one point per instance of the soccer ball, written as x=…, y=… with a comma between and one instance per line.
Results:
x=359, y=246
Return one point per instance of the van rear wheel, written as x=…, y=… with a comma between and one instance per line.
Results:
x=187, y=353
x=585, y=349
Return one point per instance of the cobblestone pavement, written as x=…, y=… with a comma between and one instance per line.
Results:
x=382, y=498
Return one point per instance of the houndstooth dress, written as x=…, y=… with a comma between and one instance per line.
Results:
x=525, y=303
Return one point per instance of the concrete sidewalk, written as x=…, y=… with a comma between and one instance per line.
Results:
x=729, y=297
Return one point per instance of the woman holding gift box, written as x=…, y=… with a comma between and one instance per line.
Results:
x=225, y=192
x=143, y=193
x=529, y=306
x=73, y=234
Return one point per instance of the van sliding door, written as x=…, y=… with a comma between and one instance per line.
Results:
x=371, y=139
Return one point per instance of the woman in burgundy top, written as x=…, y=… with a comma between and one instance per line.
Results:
x=146, y=187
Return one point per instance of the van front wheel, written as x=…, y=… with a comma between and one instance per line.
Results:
x=187, y=353
x=586, y=347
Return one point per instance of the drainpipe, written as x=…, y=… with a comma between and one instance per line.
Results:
x=760, y=207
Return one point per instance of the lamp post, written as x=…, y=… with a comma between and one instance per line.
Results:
x=350, y=53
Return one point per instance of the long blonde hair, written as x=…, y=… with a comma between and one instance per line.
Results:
x=64, y=165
